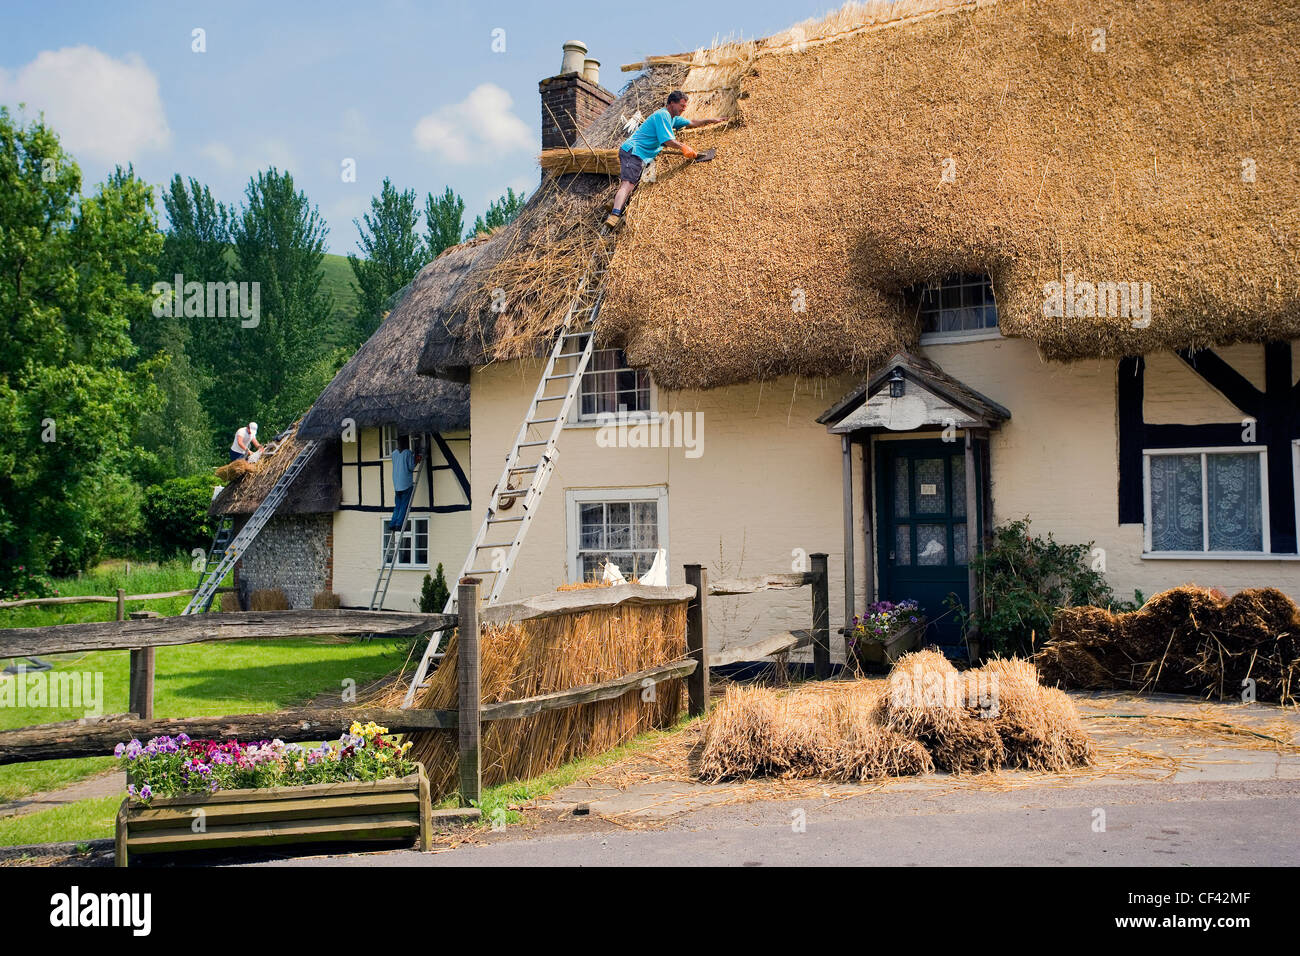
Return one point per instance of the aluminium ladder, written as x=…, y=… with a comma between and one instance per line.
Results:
x=220, y=538
x=392, y=547
x=202, y=599
x=531, y=455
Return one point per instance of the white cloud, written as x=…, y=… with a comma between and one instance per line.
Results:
x=102, y=108
x=480, y=126
x=220, y=154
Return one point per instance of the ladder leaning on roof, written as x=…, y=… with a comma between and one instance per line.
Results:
x=530, y=455
x=202, y=599
x=392, y=547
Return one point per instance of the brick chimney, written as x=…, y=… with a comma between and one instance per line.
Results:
x=573, y=98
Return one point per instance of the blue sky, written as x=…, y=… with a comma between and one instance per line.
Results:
x=408, y=90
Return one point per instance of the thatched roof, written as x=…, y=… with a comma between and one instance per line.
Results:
x=379, y=384
x=1068, y=161
x=316, y=490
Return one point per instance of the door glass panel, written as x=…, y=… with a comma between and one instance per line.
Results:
x=959, y=554
x=928, y=478
x=958, y=487
x=931, y=544
x=901, y=505
x=903, y=544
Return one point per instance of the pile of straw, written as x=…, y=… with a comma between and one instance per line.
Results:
x=1186, y=640
x=549, y=654
x=926, y=716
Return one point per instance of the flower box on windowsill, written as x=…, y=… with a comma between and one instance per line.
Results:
x=368, y=811
x=907, y=638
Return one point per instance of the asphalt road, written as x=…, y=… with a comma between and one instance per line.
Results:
x=1236, y=823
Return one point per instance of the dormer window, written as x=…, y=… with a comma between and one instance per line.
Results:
x=958, y=307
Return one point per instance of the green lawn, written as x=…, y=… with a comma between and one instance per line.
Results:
x=105, y=580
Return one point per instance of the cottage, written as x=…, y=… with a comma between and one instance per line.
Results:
x=955, y=263
x=328, y=534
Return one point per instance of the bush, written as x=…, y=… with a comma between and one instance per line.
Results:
x=434, y=593
x=176, y=516
x=1024, y=579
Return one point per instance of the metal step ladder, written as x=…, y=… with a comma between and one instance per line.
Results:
x=392, y=549
x=220, y=539
x=202, y=599
x=531, y=461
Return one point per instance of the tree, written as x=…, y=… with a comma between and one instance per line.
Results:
x=498, y=214
x=278, y=361
x=68, y=402
x=444, y=219
x=392, y=252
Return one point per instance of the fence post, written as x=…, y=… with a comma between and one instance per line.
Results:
x=470, y=692
x=142, y=674
x=821, y=617
x=697, y=641
x=121, y=604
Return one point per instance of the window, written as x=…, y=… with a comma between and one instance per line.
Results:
x=609, y=385
x=626, y=526
x=413, y=551
x=957, y=306
x=387, y=441
x=1206, y=500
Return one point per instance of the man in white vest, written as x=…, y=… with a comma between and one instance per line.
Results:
x=245, y=442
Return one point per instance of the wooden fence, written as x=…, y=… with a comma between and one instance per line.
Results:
x=97, y=736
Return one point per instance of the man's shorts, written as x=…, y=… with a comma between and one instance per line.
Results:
x=630, y=166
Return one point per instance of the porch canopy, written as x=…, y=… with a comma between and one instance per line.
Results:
x=913, y=394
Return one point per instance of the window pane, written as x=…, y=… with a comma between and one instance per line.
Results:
x=645, y=529
x=903, y=544
x=618, y=524
x=609, y=384
x=931, y=544
x=1236, y=508
x=1176, y=503
x=931, y=490
x=591, y=528
x=959, y=555
x=958, y=486
x=901, y=503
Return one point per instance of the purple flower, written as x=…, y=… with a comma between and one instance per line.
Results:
x=145, y=792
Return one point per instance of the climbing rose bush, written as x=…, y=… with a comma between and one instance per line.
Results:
x=172, y=766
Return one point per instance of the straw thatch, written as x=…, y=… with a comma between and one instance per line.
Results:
x=316, y=490
x=379, y=384
x=1115, y=165
x=926, y=716
x=551, y=654
x=1186, y=640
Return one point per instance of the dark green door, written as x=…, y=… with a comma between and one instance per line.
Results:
x=921, y=514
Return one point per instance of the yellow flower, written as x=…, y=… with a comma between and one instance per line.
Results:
x=355, y=728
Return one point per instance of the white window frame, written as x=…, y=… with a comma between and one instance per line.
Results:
x=399, y=564
x=1205, y=552
x=573, y=497
x=388, y=436
x=578, y=419
x=985, y=333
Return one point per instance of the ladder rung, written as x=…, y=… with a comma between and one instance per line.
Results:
x=552, y=378
x=551, y=398
x=503, y=520
x=542, y=421
x=525, y=468
x=571, y=355
x=513, y=493
x=482, y=571
x=484, y=547
x=527, y=444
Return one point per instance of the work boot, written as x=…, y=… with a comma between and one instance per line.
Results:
x=612, y=221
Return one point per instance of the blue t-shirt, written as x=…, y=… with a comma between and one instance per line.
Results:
x=651, y=135
x=403, y=469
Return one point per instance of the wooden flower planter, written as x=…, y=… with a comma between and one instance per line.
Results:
x=888, y=652
x=361, y=812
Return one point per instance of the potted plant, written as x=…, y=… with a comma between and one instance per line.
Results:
x=886, y=632
x=186, y=794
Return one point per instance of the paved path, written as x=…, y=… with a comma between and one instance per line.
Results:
x=101, y=785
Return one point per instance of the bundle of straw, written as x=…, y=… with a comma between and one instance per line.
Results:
x=552, y=654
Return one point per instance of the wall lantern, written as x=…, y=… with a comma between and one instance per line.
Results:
x=897, y=384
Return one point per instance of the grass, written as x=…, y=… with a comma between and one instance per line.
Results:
x=496, y=801
x=83, y=820
x=338, y=281
x=143, y=578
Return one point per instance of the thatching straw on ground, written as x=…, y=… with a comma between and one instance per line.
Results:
x=1186, y=640
x=552, y=654
x=926, y=716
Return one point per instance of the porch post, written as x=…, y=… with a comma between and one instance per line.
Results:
x=973, y=543
x=846, y=453
x=868, y=516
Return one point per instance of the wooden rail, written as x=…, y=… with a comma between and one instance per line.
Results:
x=764, y=582
x=96, y=737
x=586, y=693
x=101, y=598
x=768, y=646
x=198, y=628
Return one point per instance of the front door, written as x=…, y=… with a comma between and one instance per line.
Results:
x=921, y=514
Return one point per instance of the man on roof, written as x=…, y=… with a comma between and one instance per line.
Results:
x=641, y=147
x=244, y=438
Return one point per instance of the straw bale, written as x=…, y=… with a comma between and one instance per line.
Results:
x=551, y=654
x=1186, y=640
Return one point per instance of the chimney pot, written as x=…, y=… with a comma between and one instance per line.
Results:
x=575, y=52
x=591, y=71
